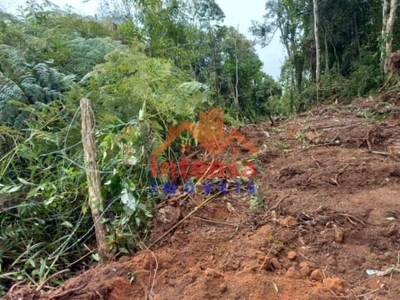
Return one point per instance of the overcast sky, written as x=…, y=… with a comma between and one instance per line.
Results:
x=239, y=13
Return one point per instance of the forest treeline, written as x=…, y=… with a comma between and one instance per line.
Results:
x=145, y=65
x=335, y=49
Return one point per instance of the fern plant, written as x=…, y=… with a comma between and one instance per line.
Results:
x=129, y=78
x=79, y=55
x=27, y=83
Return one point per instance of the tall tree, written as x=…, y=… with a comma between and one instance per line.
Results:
x=287, y=17
x=388, y=20
x=317, y=45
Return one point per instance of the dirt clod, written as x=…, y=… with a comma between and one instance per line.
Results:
x=223, y=287
x=276, y=264
x=317, y=275
x=334, y=284
x=291, y=255
x=288, y=221
x=339, y=236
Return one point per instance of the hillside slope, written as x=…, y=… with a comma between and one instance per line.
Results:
x=329, y=181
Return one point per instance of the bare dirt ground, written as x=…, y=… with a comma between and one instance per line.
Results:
x=329, y=181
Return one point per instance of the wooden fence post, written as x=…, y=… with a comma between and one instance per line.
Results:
x=93, y=179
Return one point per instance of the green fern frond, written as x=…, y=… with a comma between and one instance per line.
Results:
x=9, y=90
x=84, y=54
x=43, y=74
x=12, y=62
x=47, y=136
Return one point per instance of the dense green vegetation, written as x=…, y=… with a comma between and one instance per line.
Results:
x=145, y=65
x=352, y=47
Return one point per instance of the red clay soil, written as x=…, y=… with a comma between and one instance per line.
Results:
x=329, y=184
